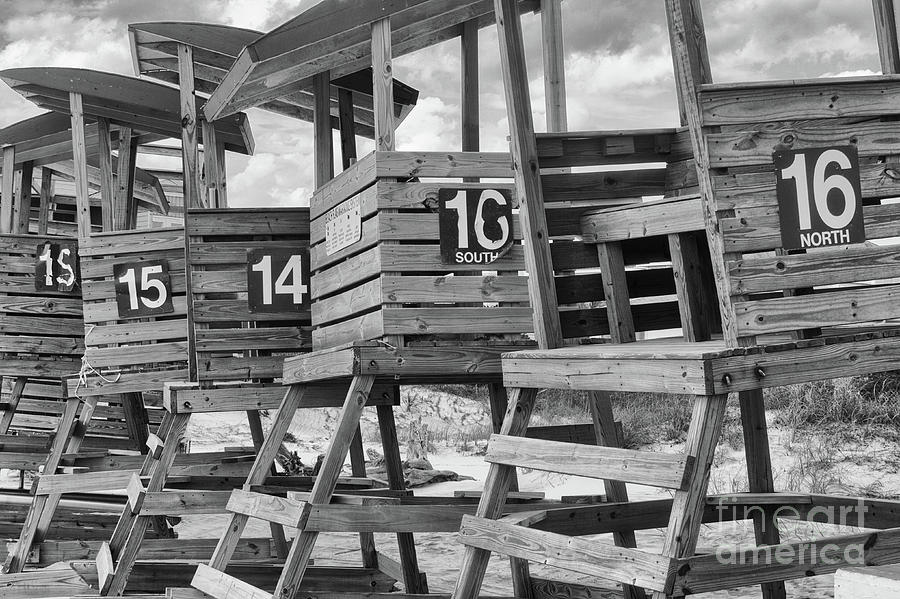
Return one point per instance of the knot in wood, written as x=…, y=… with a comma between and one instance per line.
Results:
x=185, y=121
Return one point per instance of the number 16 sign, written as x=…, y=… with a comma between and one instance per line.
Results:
x=819, y=199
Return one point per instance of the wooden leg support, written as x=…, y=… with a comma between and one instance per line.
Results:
x=409, y=562
x=277, y=530
x=301, y=549
x=358, y=468
x=265, y=457
x=688, y=503
x=493, y=498
x=605, y=429
x=40, y=513
x=759, y=475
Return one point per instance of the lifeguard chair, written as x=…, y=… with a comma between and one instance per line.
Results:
x=790, y=313
x=387, y=309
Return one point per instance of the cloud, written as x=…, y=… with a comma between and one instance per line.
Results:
x=618, y=67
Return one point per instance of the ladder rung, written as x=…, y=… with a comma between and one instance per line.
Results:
x=222, y=586
x=621, y=564
x=184, y=503
x=156, y=446
x=666, y=470
x=136, y=493
x=49, y=484
x=106, y=568
x=279, y=510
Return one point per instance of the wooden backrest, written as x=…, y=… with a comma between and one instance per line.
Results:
x=614, y=172
x=132, y=354
x=231, y=339
x=41, y=334
x=774, y=290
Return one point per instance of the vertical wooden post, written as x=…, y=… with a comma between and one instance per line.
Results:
x=886, y=32
x=347, y=122
x=696, y=322
x=259, y=438
x=324, y=147
x=124, y=207
x=383, y=85
x=538, y=263
x=79, y=159
x=471, y=118
x=107, y=193
x=554, y=66
x=22, y=208
x=189, y=145
x=213, y=191
x=46, y=199
x=7, y=192
x=221, y=182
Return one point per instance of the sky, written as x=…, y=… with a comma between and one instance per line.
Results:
x=617, y=64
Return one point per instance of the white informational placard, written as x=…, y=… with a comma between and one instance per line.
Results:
x=343, y=226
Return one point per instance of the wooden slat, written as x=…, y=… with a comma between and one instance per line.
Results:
x=579, y=555
x=798, y=100
x=754, y=565
x=289, y=222
x=828, y=266
x=642, y=467
x=644, y=220
x=759, y=233
x=755, y=147
x=222, y=586
x=857, y=305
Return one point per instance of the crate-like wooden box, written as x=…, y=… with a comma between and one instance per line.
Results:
x=41, y=332
x=391, y=280
x=231, y=341
x=134, y=354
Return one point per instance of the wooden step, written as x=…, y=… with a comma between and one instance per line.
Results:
x=279, y=510
x=665, y=470
x=620, y=564
x=106, y=567
x=222, y=586
x=48, y=484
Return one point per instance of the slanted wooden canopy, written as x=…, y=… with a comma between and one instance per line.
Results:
x=126, y=101
x=45, y=141
x=154, y=49
x=334, y=36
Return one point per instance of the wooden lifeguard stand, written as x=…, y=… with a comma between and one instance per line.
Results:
x=385, y=308
x=787, y=317
x=137, y=112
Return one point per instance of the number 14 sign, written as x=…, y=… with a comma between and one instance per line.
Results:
x=277, y=281
x=819, y=199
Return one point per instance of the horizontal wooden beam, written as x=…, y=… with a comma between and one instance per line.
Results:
x=668, y=471
x=609, y=562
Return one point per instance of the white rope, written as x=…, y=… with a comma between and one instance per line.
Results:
x=87, y=370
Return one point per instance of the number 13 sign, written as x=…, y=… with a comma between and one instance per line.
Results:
x=819, y=199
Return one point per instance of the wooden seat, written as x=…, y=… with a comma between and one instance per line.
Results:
x=755, y=312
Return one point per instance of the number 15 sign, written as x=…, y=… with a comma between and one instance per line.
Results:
x=819, y=199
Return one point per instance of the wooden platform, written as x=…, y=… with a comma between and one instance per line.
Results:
x=701, y=368
x=414, y=364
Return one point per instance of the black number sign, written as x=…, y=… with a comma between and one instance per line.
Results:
x=143, y=289
x=56, y=266
x=277, y=280
x=475, y=225
x=819, y=199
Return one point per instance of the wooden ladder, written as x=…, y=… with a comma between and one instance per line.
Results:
x=212, y=580
x=686, y=473
x=68, y=439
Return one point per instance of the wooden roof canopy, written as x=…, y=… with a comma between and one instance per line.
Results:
x=46, y=140
x=123, y=100
x=154, y=50
x=334, y=36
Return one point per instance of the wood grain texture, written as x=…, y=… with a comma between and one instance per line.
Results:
x=621, y=564
x=641, y=467
x=734, y=104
